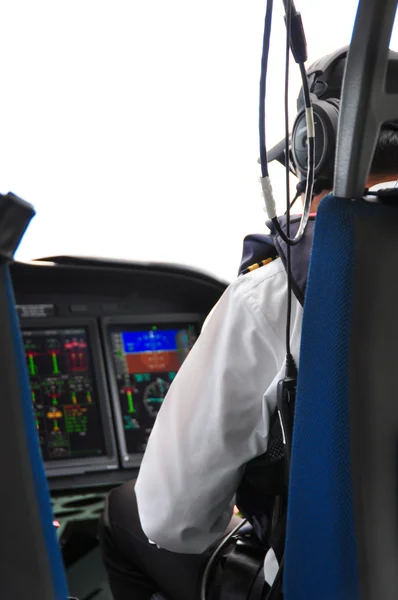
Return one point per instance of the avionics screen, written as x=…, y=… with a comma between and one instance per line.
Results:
x=64, y=394
x=146, y=362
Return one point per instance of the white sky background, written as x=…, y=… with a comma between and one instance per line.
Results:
x=131, y=126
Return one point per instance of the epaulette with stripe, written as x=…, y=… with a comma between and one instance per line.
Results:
x=257, y=265
x=261, y=249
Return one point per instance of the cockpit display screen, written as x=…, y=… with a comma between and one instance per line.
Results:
x=64, y=393
x=146, y=361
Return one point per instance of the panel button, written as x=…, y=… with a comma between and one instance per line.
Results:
x=78, y=308
x=111, y=308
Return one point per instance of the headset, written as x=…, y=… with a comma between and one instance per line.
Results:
x=325, y=79
x=325, y=82
x=325, y=104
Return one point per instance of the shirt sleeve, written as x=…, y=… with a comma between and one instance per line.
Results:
x=214, y=419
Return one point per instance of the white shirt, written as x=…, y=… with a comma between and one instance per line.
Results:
x=216, y=415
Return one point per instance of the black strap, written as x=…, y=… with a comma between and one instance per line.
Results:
x=238, y=570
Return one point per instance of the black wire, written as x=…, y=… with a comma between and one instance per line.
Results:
x=298, y=194
x=263, y=87
x=288, y=6
x=310, y=173
x=211, y=562
x=292, y=6
x=307, y=205
x=306, y=87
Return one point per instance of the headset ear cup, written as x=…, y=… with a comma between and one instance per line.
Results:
x=299, y=143
x=326, y=116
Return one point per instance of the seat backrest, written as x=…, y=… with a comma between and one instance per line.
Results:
x=343, y=517
x=343, y=496
x=342, y=534
x=30, y=560
x=320, y=559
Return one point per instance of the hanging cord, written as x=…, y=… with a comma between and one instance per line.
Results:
x=214, y=556
x=292, y=203
x=289, y=358
x=299, y=50
x=263, y=88
x=311, y=166
x=287, y=387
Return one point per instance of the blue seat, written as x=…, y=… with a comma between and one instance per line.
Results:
x=344, y=444
x=320, y=559
x=30, y=559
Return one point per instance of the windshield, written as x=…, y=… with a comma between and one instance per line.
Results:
x=132, y=126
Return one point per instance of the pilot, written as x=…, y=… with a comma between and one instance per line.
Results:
x=156, y=534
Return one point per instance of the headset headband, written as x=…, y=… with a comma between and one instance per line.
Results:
x=324, y=82
x=323, y=64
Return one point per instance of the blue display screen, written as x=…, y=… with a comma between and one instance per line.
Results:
x=146, y=361
x=150, y=341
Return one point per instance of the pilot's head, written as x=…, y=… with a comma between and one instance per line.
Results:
x=325, y=78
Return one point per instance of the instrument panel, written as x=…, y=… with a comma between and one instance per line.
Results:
x=64, y=392
x=104, y=341
x=144, y=356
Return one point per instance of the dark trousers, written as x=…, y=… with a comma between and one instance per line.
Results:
x=137, y=570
